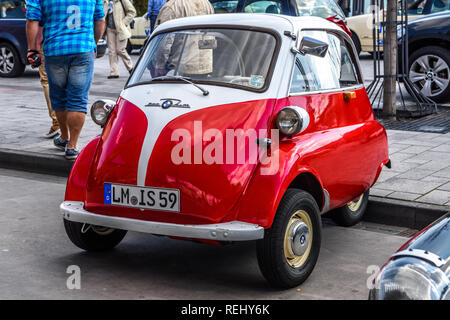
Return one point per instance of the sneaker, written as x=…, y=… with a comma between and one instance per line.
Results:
x=60, y=143
x=113, y=77
x=54, y=130
x=71, y=154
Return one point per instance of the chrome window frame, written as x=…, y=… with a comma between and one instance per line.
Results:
x=352, y=51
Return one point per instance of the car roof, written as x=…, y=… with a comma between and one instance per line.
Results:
x=276, y=22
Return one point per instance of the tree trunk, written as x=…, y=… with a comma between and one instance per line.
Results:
x=390, y=60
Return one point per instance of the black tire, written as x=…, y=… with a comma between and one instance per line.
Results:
x=129, y=47
x=10, y=63
x=352, y=212
x=278, y=269
x=356, y=42
x=443, y=54
x=93, y=238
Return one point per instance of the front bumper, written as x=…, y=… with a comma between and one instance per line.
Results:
x=228, y=231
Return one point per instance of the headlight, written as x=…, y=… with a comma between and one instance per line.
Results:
x=100, y=111
x=410, y=279
x=292, y=120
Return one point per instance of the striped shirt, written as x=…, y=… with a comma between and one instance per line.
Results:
x=68, y=24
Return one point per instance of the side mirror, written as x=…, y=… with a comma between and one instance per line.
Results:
x=313, y=46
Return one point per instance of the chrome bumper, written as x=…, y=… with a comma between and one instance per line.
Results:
x=228, y=231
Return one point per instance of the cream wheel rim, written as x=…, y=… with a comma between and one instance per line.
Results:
x=298, y=239
x=355, y=204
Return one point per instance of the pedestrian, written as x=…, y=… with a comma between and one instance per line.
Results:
x=54, y=129
x=119, y=15
x=174, y=9
x=198, y=61
x=154, y=6
x=72, y=29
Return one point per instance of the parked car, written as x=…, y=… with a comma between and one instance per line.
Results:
x=13, y=39
x=140, y=30
x=360, y=18
x=232, y=127
x=317, y=8
x=429, y=55
x=420, y=269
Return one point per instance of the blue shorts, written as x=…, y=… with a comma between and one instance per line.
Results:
x=69, y=80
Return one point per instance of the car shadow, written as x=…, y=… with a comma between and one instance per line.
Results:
x=154, y=261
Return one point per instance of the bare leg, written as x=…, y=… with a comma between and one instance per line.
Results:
x=75, y=122
x=62, y=120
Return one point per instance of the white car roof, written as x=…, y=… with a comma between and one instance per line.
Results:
x=275, y=22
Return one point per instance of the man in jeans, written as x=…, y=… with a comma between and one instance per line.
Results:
x=72, y=29
x=153, y=10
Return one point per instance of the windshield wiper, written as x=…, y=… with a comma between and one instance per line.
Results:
x=185, y=79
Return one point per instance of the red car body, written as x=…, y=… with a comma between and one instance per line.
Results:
x=336, y=158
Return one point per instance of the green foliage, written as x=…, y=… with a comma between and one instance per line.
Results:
x=141, y=6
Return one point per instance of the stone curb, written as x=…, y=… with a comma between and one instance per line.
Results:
x=35, y=162
x=379, y=210
x=402, y=213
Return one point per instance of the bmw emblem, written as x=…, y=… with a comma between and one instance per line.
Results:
x=166, y=104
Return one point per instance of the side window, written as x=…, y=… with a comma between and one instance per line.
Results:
x=263, y=6
x=12, y=9
x=334, y=71
x=440, y=5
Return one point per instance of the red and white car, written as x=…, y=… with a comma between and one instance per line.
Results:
x=232, y=128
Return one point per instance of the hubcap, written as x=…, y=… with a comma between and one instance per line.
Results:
x=430, y=74
x=355, y=204
x=298, y=239
x=6, y=60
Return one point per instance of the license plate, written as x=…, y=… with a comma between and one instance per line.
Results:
x=142, y=197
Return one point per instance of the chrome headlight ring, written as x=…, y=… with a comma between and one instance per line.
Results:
x=100, y=111
x=292, y=120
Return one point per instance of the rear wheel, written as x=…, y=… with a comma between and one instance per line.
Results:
x=10, y=63
x=352, y=212
x=93, y=238
x=290, y=248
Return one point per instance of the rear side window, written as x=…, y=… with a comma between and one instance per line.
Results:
x=266, y=6
x=12, y=9
x=336, y=70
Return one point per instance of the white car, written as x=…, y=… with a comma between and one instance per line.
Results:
x=139, y=31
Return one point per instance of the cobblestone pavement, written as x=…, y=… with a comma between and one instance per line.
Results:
x=420, y=161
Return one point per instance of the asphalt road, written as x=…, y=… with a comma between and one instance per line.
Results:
x=35, y=255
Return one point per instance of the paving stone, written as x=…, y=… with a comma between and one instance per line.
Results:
x=379, y=192
x=416, y=149
x=442, y=148
x=445, y=187
x=433, y=165
x=416, y=174
x=436, y=197
x=403, y=195
x=399, y=166
x=443, y=173
x=408, y=185
x=441, y=180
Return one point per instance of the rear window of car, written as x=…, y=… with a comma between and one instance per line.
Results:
x=12, y=9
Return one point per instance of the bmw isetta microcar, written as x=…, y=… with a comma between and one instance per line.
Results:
x=232, y=128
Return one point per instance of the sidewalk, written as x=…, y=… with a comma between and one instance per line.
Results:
x=420, y=173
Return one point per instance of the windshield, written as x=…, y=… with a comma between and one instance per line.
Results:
x=231, y=57
x=319, y=8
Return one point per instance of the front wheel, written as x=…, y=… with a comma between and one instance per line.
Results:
x=93, y=238
x=352, y=212
x=289, y=250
